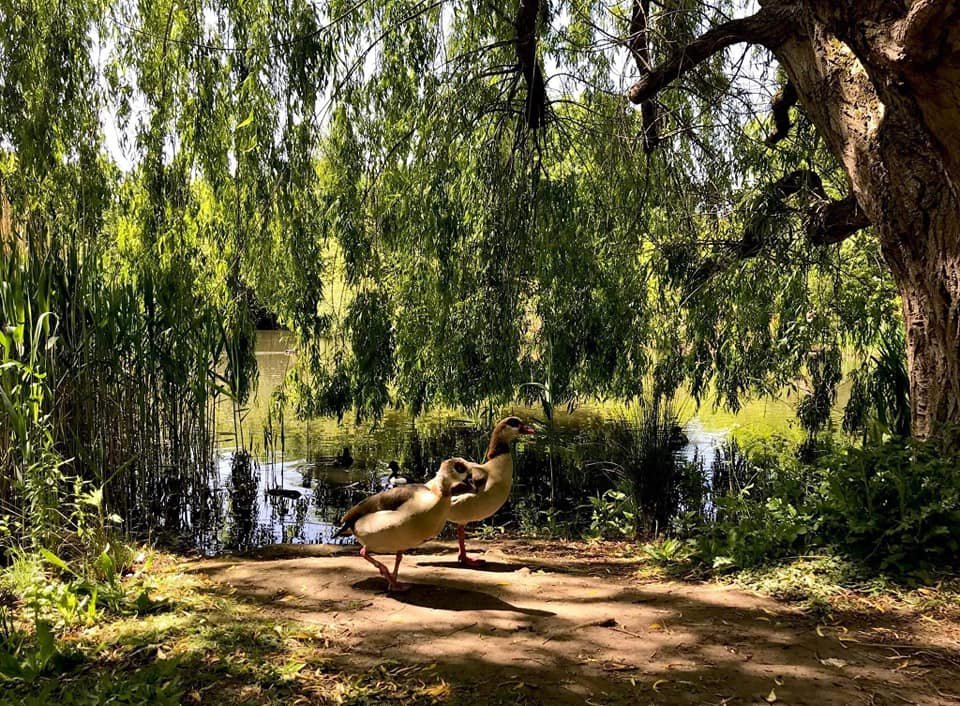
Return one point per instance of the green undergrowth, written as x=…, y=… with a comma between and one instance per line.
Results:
x=824, y=584
x=174, y=637
x=830, y=585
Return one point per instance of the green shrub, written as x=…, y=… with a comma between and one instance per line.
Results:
x=614, y=515
x=755, y=531
x=761, y=506
x=895, y=505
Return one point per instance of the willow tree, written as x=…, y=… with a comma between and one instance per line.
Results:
x=876, y=80
x=880, y=80
x=447, y=199
x=523, y=223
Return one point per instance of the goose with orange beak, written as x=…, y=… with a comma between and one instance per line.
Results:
x=492, y=481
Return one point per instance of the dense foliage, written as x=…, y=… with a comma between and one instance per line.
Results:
x=891, y=505
x=366, y=172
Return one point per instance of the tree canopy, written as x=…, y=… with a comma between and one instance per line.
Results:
x=447, y=200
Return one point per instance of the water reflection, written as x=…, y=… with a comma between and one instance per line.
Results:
x=297, y=491
x=280, y=502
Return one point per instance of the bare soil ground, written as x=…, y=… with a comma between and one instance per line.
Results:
x=567, y=623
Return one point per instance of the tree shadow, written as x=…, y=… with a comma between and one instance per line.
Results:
x=445, y=597
x=610, y=639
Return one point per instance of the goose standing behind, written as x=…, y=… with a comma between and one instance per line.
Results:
x=403, y=517
x=395, y=479
x=492, y=479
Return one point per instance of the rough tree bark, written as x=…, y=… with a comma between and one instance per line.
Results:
x=880, y=80
x=535, y=105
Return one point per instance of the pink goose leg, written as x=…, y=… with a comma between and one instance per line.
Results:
x=397, y=586
x=392, y=583
x=463, y=558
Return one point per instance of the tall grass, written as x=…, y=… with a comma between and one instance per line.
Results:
x=108, y=381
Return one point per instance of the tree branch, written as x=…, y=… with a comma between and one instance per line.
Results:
x=785, y=99
x=770, y=27
x=771, y=205
x=835, y=221
x=640, y=48
x=535, y=106
x=828, y=222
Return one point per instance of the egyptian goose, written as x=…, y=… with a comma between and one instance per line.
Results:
x=492, y=480
x=395, y=479
x=403, y=517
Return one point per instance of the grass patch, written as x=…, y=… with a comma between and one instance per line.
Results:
x=829, y=584
x=823, y=584
x=207, y=646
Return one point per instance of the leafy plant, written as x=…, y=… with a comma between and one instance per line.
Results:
x=879, y=400
x=895, y=505
x=668, y=551
x=614, y=515
x=762, y=506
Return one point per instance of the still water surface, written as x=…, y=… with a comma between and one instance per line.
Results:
x=295, y=488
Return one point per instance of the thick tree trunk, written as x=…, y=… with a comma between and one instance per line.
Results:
x=929, y=283
x=880, y=80
x=901, y=176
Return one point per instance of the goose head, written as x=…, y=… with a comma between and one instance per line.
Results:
x=454, y=473
x=511, y=428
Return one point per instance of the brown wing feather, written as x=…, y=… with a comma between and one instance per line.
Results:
x=387, y=500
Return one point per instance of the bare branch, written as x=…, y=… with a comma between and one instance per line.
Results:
x=535, y=107
x=770, y=28
x=640, y=48
x=772, y=204
x=828, y=222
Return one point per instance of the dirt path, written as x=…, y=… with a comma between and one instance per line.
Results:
x=558, y=623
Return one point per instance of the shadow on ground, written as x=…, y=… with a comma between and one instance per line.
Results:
x=553, y=624
x=446, y=597
x=497, y=567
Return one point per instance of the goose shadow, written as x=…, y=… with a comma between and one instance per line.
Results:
x=448, y=598
x=497, y=567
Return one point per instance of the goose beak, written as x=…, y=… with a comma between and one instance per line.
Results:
x=527, y=429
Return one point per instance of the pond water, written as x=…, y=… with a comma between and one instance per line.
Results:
x=295, y=487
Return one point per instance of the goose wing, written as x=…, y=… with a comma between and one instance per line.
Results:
x=390, y=499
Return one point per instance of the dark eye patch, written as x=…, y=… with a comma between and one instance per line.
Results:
x=513, y=422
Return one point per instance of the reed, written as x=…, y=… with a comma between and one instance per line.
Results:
x=109, y=382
